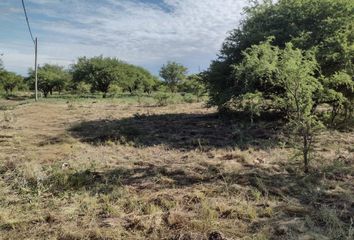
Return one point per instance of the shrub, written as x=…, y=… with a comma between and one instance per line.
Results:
x=189, y=98
x=162, y=98
x=283, y=80
x=83, y=88
x=114, y=89
x=193, y=84
x=9, y=81
x=324, y=27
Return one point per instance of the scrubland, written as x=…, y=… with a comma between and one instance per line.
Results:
x=127, y=169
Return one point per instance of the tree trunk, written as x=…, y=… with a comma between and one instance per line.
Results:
x=305, y=154
x=334, y=113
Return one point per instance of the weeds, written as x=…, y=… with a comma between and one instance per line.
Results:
x=333, y=225
x=162, y=99
x=124, y=171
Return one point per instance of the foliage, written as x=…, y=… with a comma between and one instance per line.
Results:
x=193, y=84
x=250, y=103
x=173, y=73
x=114, y=89
x=162, y=98
x=289, y=56
x=102, y=72
x=98, y=71
x=282, y=80
x=339, y=93
x=9, y=81
x=189, y=98
x=324, y=27
x=50, y=78
x=83, y=88
x=137, y=80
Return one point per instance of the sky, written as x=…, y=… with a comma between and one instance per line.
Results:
x=147, y=33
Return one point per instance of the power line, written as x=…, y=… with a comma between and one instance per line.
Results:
x=35, y=41
x=28, y=24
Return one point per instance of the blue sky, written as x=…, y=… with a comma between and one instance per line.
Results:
x=143, y=32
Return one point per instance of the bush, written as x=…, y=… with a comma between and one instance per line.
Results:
x=288, y=57
x=189, y=98
x=283, y=80
x=10, y=81
x=193, y=84
x=83, y=88
x=324, y=27
x=114, y=90
x=162, y=98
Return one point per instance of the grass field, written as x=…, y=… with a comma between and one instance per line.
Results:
x=120, y=169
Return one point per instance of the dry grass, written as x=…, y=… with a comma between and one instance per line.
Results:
x=104, y=170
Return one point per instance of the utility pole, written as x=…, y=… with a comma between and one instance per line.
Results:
x=35, y=41
x=36, y=67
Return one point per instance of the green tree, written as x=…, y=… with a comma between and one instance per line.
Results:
x=193, y=84
x=173, y=73
x=100, y=72
x=324, y=27
x=283, y=80
x=9, y=81
x=50, y=78
x=138, y=80
x=339, y=94
x=296, y=74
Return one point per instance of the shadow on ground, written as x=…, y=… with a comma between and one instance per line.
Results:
x=141, y=176
x=180, y=131
x=307, y=194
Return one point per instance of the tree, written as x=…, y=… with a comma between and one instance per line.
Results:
x=50, y=78
x=173, y=73
x=60, y=84
x=324, y=27
x=193, y=84
x=296, y=73
x=100, y=72
x=138, y=80
x=284, y=80
x=9, y=81
x=339, y=94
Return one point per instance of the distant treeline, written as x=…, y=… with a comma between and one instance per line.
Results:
x=105, y=75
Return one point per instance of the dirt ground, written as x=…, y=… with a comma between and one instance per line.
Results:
x=108, y=170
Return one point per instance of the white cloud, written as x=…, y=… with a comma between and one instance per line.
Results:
x=142, y=33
